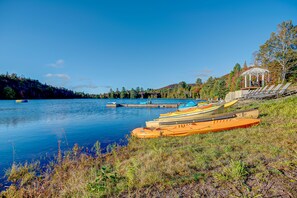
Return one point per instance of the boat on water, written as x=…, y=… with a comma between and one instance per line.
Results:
x=252, y=113
x=195, y=128
x=146, y=102
x=21, y=101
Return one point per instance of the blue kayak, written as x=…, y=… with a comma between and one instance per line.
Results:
x=187, y=105
x=146, y=102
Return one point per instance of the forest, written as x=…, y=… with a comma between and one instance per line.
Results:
x=16, y=87
x=213, y=88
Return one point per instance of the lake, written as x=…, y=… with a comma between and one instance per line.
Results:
x=31, y=131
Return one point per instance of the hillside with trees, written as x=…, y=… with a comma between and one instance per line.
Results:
x=212, y=88
x=278, y=54
x=15, y=87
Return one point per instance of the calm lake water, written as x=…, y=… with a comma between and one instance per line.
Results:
x=31, y=131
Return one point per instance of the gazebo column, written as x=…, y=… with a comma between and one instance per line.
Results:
x=261, y=81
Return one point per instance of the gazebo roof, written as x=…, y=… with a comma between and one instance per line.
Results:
x=255, y=71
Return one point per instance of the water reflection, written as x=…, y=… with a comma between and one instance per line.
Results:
x=32, y=130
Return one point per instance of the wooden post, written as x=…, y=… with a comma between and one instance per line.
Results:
x=250, y=82
x=262, y=80
x=245, y=83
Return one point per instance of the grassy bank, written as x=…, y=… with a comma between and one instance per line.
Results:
x=256, y=162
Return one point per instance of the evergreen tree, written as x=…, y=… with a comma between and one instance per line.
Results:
x=133, y=94
x=198, y=81
x=245, y=65
x=117, y=93
x=8, y=93
x=123, y=93
x=238, y=83
x=206, y=91
x=137, y=89
x=182, y=84
x=222, y=89
x=237, y=69
x=111, y=93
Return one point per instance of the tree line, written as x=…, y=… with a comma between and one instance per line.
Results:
x=16, y=87
x=212, y=88
x=278, y=54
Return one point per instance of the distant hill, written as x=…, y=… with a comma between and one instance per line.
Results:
x=15, y=87
x=172, y=86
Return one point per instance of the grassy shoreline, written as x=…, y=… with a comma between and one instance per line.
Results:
x=255, y=162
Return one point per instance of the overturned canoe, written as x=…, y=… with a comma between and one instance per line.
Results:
x=194, y=128
x=252, y=113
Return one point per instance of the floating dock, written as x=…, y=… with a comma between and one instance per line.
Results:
x=143, y=105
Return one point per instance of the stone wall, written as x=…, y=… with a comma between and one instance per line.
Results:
x=235, y=95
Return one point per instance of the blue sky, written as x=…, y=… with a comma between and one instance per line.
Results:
x=93, y=45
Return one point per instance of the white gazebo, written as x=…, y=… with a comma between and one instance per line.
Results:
x=255, y=71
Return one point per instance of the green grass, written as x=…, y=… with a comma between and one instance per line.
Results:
x=259, y=161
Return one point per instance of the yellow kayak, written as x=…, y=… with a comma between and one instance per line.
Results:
x=229, y=104
x=205, y=106
x=202, y=104
x=206, y=111
x=194, y=128
x=253, y=113
x=196, y=109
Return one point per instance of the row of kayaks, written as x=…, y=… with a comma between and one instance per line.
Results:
x=199, y=119
x=253, y=113
x=206, y=108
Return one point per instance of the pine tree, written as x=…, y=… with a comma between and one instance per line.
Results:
x=8, y=93
x=123, y=93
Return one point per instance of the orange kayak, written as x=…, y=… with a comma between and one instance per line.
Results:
x=194, y=128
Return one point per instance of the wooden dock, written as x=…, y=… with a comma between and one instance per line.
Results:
x=143, y=105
